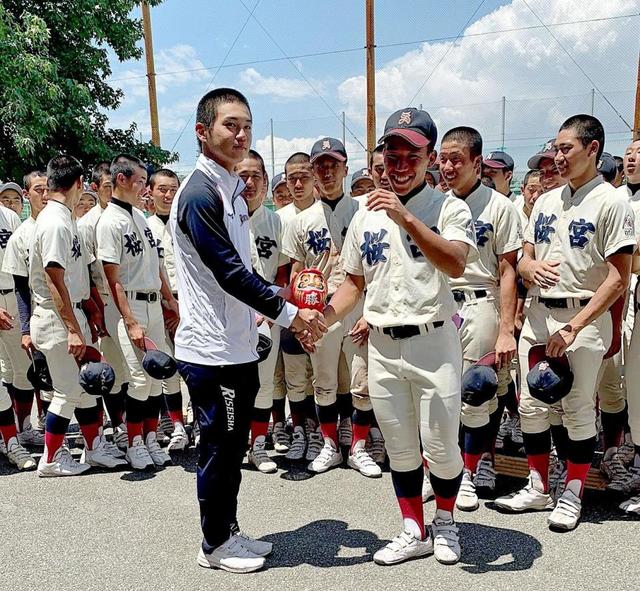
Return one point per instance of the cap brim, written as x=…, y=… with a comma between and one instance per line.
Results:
x=534, y=162
x=149, y=345
x=362, y=178
x=336, y=155
x=488, y=360
x=537, y=353
x=91, y=354
x=413, y=137
x=494, y=164
x=283, y=182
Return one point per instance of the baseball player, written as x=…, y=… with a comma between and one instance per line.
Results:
x=577, y=257
x=280, y=191
x=129, y=255
x=486, y=295
x=100, y=294
x=265, y=232
x=361, y=183
x=59, y=280
x=11, y=197
x=498, y=166
x=163, y=186
x=402, y=248
x=314, y=240
x=376, y=166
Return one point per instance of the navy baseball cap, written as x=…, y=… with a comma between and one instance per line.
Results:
x=499, y=159
x=95, y=376
x=480, y=381
x=328, y=146
x=547, y=151
x=607, y=166
x=264, y=342
x=38, y=372
x=413, y=125
x=278, y=180
x=363, y=173
x=549, y=379
x=156, y=363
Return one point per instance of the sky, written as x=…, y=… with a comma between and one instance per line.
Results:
x=457, y=59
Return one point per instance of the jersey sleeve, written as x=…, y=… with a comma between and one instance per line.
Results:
x=292, y=243
x=351, y=259
x=508, y=235
x=55, y=245
x=14, y=262
x=618, y=226
x=457, y=223
x=283, y=259
x=108, y=242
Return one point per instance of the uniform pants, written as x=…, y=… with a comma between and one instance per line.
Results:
x=15, y=359
x=266, y=372
x=298, y=374
x=612, y=389
x=415, y=391
x=110, y=345
x=223, y=398
x=632, y=372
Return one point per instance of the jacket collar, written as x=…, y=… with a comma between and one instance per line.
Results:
x=230, y=183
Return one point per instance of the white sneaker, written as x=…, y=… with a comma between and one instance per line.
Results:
x=446, y=542
x=231, y=556
x=62, y=465
x=427, y=489
x=375, y=446
x=298, y=445
x=345, y=433
x=281, y=442
x=631, y=505
x=526, y=499
x=113, y=449
x=467, y=499
x=328, y=458
x=361, y=461
x=121, y=437
x=259, y=458
x=158, y=455
x=19, y=456
x=617, y=475
x=485, y=477
x=257, y=547
x=567, y=511
x=402, y=548
x=179, y=439
x=314, y=445
x=29, y=436
x=100, y=456
x=138, y=455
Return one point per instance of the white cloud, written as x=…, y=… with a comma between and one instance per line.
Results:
x=281, y=88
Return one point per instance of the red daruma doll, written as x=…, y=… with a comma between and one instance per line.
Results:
x=310, y=289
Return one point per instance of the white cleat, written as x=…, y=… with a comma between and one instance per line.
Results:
x=361, y=461
x=446, y=542
x=158, y=455
x=485, y=478
x=19, y=456
x=281, y=442
x=298, y=445
x=62, y=465
x=257, y=547
x=566, y=513
x=375, y=446
x=617, y=475
x=231, y=556
x=402, y=548
x=29, y=436
x=526, y=499
x=138, y=455
x=329, y=457
x=345, y=433
x=467, y=499
x=259, y=458
x=100, y=456
x=121, y=437
x=631, y=506
x=179, y=439
x=114, y=450
x=427, y=489
x=314, y=445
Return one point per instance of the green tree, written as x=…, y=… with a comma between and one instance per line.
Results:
x=54, y=97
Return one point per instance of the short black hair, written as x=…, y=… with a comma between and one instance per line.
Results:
x=253, y=155
x=99, y=170
x=125, y=164
x=465, y=135
x=377, y=150
x=63, y=172
x=297, y=158
x=587, y=129
x=163, y=172
x=619, y=163
x=27, y=179
x=529, y=175
x=208, y=105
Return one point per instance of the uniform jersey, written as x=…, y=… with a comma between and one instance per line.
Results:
x=579, y=231
x=403, y=286
x=56, y=240
x=265, y=231
x=315, y=237
x=164, y=243
x=9, y=223
x=626, y=193
x=497, y=228
x=16, y=255
x=87, y=228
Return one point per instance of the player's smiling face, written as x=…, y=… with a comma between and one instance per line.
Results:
x=330, y=174
x=250, y=171
x=632, y=163
x=573, y=158
x=549, y=176
x=163, y=192
x=459, y=170
x=405, y=165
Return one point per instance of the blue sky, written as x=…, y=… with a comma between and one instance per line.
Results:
x=466, y=80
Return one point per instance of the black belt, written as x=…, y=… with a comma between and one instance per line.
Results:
x=6, y=291
x=562, y=303
x=143, y=296
x=459, y=294
x=78, y=305
x=408, y=330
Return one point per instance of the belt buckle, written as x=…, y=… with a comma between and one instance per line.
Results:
x=458, y=295
x=153, y=297
x=394, y=333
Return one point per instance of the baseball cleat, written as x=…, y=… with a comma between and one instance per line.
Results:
x=62, y=465
x=257, y=547
x=427, y=489
x=231, y=556
x=516, y=431
x=485, y=478
x=446, y=542
x=617, y=475
x=566, y=513
x=121, y=437
x=19, y=456
x=315, y=445
x=113, y=449
x=138, y=455
x=99, y=456
x=627, y=451
x=361, y=461
x=526, y=499
x=505, y=429
x=166, y=425
x=29, y=436
x=329, y=457
x=179, y=439
x=467, y=499
x=402, y=548
x=259, y=458
x=345, y=433
x=298, y=445
x=631, y=506
x=375, y=446
x=281, y=442
x=158, y=455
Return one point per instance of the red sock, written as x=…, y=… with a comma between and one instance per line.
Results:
x=425, y=463
x=411, y=509
x=330, y=431
x=7, y=432
x=176, y=416
x=540, y=463
x=445, y=504
x=133, y=430
x=22, y=410
x=90, y=432
x=52, y=443
x=577, y=472
x=360, y=433
x=150, y=426
x=258, y=428
x=471, y=461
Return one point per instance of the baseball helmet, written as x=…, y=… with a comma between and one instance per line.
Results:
x=156, y=363
x=264, y=342
x=550, y=378
x=480, y=381
x=95, y=376
x=38, y=372
x=310, y=289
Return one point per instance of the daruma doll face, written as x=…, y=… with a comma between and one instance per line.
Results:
x=310, y=289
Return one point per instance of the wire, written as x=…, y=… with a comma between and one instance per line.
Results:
x=216, y=72
x=595, y=86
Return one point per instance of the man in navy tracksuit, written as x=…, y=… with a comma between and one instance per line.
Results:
x=215, y=343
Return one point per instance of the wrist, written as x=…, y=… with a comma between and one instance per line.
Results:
x=406, y=220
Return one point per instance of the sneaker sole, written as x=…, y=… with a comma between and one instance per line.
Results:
x=468, y=508
x=561, y=527
x=204, y=563
x=48, y=475
x=310, y=468
x=507, y=509
x=427, y=552
x=280, y=448
x=447, y=562
x=353, y=465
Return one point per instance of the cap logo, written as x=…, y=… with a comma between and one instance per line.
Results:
x=550, y=145
x=326, y=145
x=405, y=118
x=489, y=155
x=544, y=365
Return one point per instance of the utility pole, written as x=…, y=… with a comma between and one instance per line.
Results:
x=273, y=154
x=636, y=118
x=371, y=79
x=344, y=128
x=593, y=101
x=504, y=119
x=151, y=74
